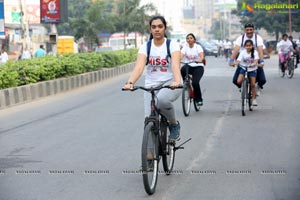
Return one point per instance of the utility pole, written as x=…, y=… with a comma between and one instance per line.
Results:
x=53, y=31
x=24, y=24
x=290, y=18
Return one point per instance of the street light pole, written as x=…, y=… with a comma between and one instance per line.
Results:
x=24, y=24
x=290, y=18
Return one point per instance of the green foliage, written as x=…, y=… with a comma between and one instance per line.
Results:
x=48, y=68
x=8, y=77
x=86, y=20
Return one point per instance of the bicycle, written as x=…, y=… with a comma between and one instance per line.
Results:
x=246, y=94
x=288, y=67
x=188, y=92
x=156, y=144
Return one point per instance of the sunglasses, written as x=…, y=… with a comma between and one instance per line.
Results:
x=248, y=25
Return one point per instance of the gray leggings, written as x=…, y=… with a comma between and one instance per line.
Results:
x=164, y=99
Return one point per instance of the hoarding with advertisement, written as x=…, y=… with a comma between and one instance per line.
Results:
x=2, y=34
x=12, y=12
x=50, y=11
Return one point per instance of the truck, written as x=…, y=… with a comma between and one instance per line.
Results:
x=66, y=44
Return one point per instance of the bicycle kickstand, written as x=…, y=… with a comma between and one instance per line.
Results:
x=181, y=145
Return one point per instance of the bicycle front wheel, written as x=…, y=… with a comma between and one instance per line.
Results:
x=291, y=66
x=150, y=158
x=249, y=97
x=186, y=100
x=280, y=72
x=244, y=96
x=168, y=153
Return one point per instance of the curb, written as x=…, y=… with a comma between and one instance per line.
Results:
x=27, y=93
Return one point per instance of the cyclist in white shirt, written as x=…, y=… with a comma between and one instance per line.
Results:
x=248, y=56
x=258, y=45
x=160, y=70
x=284, y=48
x=193, y=52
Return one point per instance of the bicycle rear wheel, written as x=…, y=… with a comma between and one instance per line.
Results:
x=150, y=158
x=186, y=99
x=291, y=67
x=244, y=96
x=168, y=153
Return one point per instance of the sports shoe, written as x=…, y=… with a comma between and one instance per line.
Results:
x=174, y=132
x=200, y=103
x=254, y=102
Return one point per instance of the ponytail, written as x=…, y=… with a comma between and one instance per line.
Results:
x=252, y=52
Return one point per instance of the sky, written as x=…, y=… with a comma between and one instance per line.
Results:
x=170, y=9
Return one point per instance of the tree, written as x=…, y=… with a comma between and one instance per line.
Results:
x=89, y=18
x=132, y=17
x=97, y=19
x=273, y=20
x=77, y=9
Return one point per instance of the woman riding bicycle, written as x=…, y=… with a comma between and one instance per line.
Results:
x=248, y=56
x=284, y=47
x=160, y=70
x=193, y=54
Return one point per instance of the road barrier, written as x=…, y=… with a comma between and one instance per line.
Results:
x=27, y=93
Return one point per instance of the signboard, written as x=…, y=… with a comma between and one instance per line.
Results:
x=2, y=34
x=12, y=12
x=50, y=11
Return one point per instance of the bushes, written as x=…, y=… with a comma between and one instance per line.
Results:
x=47, y=68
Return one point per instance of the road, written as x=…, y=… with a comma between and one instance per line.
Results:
x=86, y=144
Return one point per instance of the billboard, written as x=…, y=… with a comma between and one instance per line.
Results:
x=12, y=12
x=2, y=34
x=50, y=11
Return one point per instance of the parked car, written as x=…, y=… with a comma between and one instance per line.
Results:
x=208, y=48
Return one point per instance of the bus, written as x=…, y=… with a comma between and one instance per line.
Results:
x=132, y=40
x=178, y=35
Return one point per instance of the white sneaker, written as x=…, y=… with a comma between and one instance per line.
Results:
x=254, y=102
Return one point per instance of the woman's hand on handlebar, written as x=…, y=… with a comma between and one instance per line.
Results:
x=128, y=86
x=175, y=84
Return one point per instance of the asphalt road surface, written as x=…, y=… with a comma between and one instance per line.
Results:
x=86, y=144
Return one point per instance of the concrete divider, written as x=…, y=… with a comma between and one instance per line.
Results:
x=27, y=93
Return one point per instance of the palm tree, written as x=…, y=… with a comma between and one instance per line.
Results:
x=133, y=18
x=98, y=18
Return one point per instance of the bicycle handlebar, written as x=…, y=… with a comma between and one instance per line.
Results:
x=186, y=63
x=149, y=89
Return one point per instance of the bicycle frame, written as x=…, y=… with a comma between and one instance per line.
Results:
x=156, y=127
x=288, y=65
x=188, y=81
x=188, y=94
x=246, y=93
x=155, y=115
